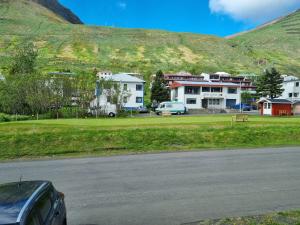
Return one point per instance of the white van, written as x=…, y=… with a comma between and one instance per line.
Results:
x=109, y=110
x=172, y=107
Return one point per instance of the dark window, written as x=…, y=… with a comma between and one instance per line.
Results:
x=125, y=100
x=139, y=100
x=296, y=95
x=290, y=95
x=139, y=87
x=216, y=89
x=232, y=90
x=191, y=101
x=192, y=90
x=44, y=205
x=33, y=219
x=108, y=98
x=125, y=87
x=176, y=92
x=297, y=84
x=205, y=89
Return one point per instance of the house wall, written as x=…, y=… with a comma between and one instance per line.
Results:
x=132, y=94
x=290, y=87
x=296, y=109
x=203, y=96
x=278, y=109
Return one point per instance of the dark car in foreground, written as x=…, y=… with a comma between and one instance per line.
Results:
x=31, y=203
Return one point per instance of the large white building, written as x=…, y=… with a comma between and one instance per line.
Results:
x=131, y=91
x=206, y=95
x=291, y=86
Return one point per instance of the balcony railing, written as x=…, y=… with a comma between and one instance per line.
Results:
x=213, y=95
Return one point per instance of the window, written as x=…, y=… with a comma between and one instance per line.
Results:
x=125, y=100
x=108, y=98
x=296, y=95
x=139, y=87
x=290, y=95
x=139, y=100
x=169, y=106
x=125, y=86
x=44, y=206
x=176, y=92
x=216, y=89
x=191, y=101
x=297, y=84
x=205, y=89
x=232, y=90
x=33, y=219
x=214, y=102
x=269, y=105
x=192, y=90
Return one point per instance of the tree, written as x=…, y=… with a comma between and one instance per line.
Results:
x=38, y=94
x=270, y=84
x=159, y=90
x=14, y=88
x=24, y=60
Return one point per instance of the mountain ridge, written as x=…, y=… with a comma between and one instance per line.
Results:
x=60, y=10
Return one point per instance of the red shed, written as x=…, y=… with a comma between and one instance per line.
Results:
x=275, y=107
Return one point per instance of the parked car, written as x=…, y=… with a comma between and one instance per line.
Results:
x=244, y=107
x=142, y=109
x=31, y=203
x=172, y=107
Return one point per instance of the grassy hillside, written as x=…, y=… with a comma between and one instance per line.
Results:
x=277, y=43
x=78, y=47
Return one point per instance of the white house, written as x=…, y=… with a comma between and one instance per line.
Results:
x=132, y=91
x=291, y=86
x=206, y=95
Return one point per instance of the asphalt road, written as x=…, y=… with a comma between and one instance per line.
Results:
x=171, y=188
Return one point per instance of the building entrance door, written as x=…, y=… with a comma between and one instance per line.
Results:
x=204, y=103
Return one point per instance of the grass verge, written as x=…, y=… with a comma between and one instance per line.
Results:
x=281, y=218
x=34, y=139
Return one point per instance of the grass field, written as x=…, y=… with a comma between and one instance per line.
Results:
x=281, y=218
x=85, y=137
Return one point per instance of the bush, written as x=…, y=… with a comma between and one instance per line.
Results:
x=4, y=118
x=9, y=118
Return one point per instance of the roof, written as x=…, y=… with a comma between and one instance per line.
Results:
x=275, y=100
x=15, y=197
x=204, y=84
x=123, y=77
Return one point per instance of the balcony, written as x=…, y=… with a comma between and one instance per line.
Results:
x=213, y=95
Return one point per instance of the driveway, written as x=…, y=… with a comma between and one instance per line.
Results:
x=170, y=188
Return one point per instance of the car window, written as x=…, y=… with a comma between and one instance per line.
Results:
x=33, y=219
x=44, y=205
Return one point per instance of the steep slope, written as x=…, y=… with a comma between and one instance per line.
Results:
x=77, y=47
x=60, y=10
x=275, y=43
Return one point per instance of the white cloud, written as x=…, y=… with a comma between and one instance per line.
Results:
x=122, y=5
x=254, y=10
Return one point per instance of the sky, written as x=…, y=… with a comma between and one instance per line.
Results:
x=216, y=17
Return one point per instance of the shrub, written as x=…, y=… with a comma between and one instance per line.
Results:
x=9, y=118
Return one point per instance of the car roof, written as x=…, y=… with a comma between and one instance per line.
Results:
x=16, y=197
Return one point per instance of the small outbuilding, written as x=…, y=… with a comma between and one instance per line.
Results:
x=296, y=107
x=275, y=107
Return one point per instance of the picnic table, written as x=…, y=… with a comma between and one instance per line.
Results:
x=240, y=117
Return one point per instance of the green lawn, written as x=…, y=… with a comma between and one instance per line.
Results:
x=281, y=218
x=65, y=138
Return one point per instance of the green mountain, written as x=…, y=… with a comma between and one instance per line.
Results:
x=65, y=46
